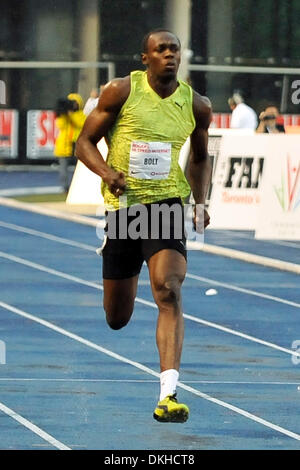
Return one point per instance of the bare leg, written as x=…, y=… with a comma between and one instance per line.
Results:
x=118, y=300
x=167, y=270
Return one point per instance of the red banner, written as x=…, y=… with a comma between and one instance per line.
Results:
x=9, y=133
x=41, y=133
x=222, y=120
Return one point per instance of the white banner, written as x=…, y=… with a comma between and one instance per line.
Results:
x=236, y=189
x=9, y=119
x=41, y=134
x=214, y=141
x=86, y=186
x=279, y=211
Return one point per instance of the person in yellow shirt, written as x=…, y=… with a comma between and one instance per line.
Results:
x=69, y=122
x=146, y=118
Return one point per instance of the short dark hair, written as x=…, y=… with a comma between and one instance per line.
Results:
x=154, y=31
x=271, y=105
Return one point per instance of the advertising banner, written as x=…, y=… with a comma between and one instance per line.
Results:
x=85, y=178
x=279, y=210
x=41, y=134
x=9, y=119
x=222, y=120
x=236, y=188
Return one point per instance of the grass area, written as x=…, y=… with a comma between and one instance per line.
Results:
x=42, y=197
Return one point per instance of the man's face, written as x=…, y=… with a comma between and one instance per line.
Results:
x=163, y=55
x=272, y=110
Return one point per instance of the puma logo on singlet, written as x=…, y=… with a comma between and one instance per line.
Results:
x=180, y=105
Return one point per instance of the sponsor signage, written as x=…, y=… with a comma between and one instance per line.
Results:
x=41, y=134
x=236, y=188
x=279, y=210
x=9, y=119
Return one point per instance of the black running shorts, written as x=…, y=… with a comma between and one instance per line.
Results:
x=132, y=239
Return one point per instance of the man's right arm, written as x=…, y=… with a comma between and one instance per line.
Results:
x=261, y=129
x=97, y=126
x=235, y=119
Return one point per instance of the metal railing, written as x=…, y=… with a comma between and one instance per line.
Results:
x=110, y=66
x=284, y=71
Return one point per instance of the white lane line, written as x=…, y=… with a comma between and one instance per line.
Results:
x=209, y=382
x=29, y=190
x=241, y=335
x=94, y=285
x=46, y=211
x=140, y=366
x=245, y=256
x=32, y=427
x=64, y=332
x=45, y=269
x=286, y=243
x=212, y=249
x=47, y=236
x=84, y=246
x=242, y=289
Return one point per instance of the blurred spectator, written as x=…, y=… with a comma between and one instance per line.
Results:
x=270, y=121
x=69, y=121
x=243, y=117
x=92, y=101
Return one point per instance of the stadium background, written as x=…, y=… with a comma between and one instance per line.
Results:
x=215, y=33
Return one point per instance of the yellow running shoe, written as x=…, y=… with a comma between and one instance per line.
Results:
x=169, y=410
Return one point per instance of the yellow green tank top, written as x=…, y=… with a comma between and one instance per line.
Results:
x=145, y=143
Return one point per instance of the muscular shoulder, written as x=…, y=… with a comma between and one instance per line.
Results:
x=114, y=94
x=202, y=109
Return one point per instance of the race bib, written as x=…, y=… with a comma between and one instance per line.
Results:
x=150, y=160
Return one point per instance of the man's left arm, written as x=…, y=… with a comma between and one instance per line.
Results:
x=199, y=170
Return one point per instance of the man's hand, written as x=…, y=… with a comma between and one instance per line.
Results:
x=201, y=218
x=115, y=181
x=262, y=115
